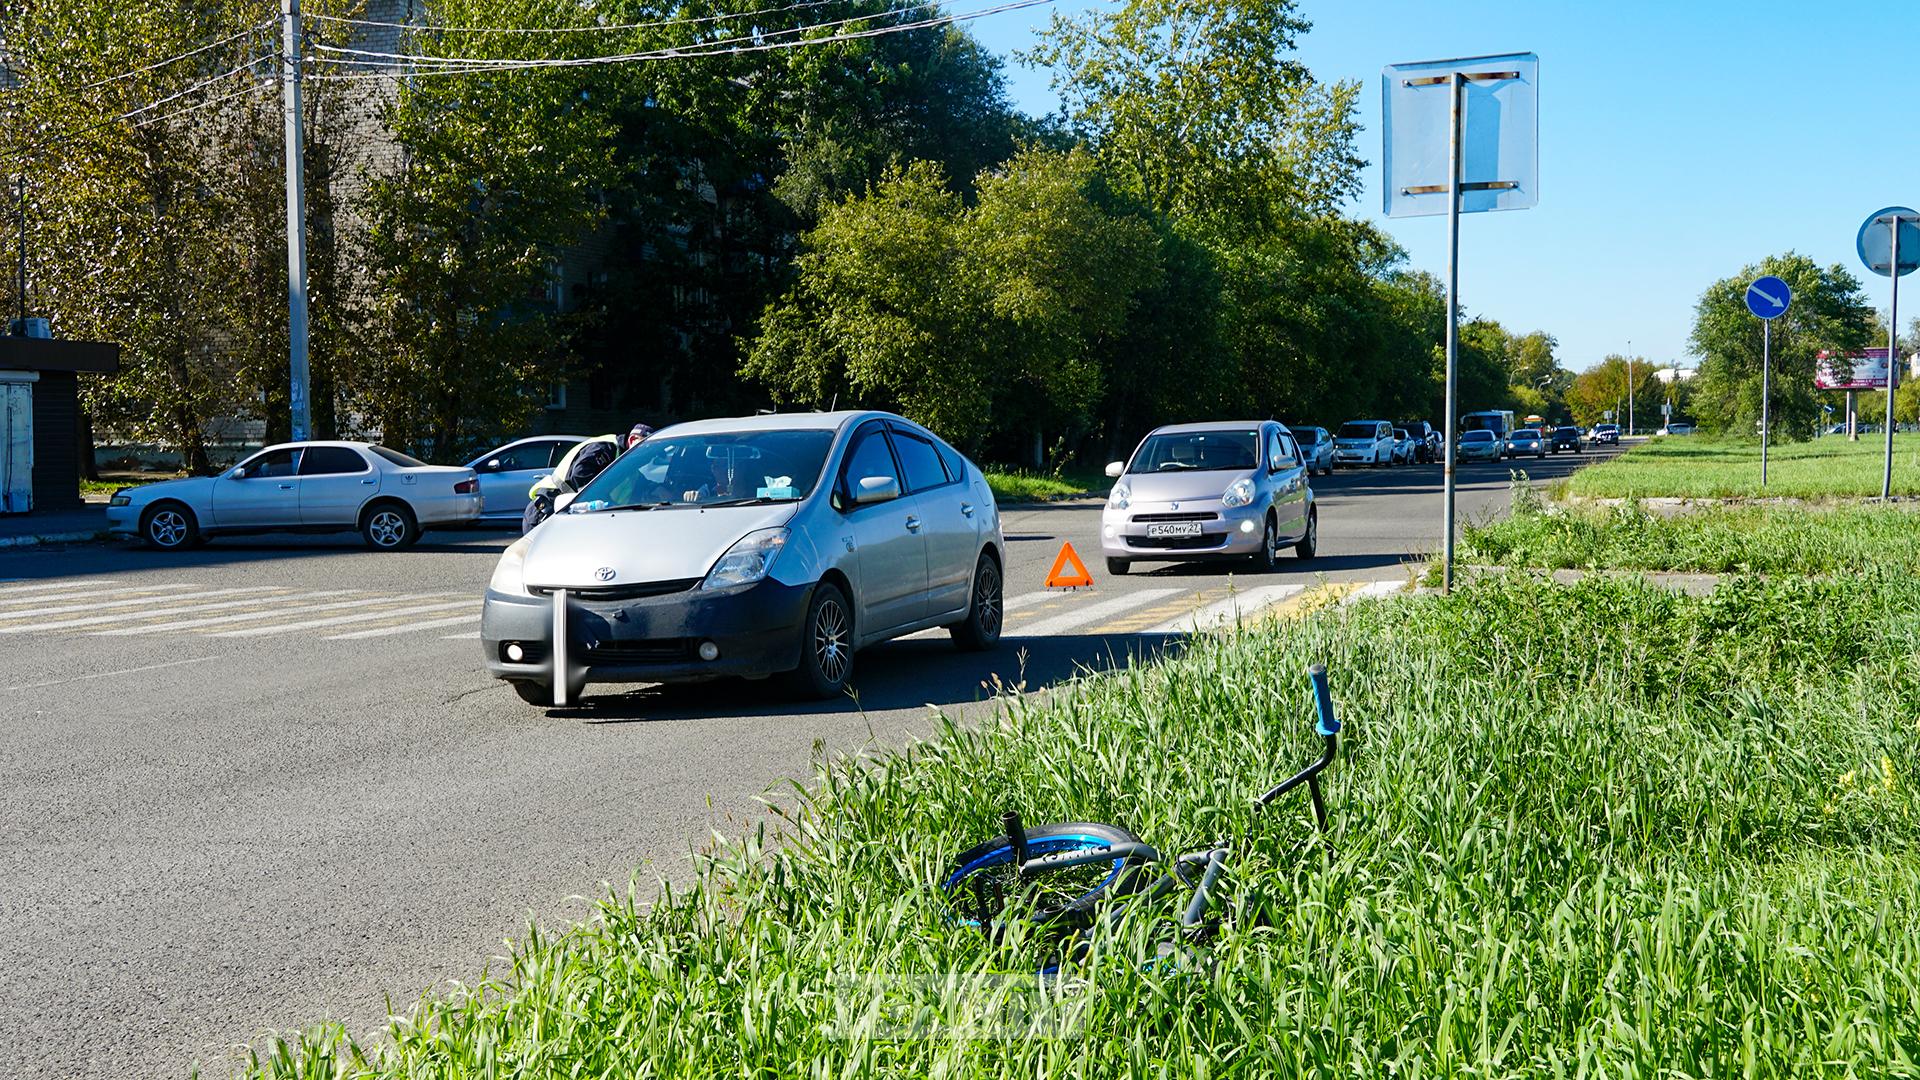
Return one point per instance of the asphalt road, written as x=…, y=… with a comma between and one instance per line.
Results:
x=266, y=782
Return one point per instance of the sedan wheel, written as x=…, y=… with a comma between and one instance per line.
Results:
x=981, y=630
x=826, y=644
x=168, y=527
x=389, y=527
x=1310, y=540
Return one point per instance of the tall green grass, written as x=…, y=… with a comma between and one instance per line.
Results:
x=1771, y=539
x=1701, y=467
x=1598, y=830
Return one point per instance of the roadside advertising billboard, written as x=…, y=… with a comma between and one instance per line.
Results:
x=1869, y=371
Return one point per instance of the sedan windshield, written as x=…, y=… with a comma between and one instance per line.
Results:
x=1359, y=431
x=1208, y=451
x=1526, y=433
x=1476, y=436
x=706, y=470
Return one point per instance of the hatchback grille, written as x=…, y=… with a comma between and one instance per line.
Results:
x=656, y=651
x=1197, y=515
x=637, y=591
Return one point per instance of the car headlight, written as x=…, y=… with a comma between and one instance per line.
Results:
x=1120, y=497
x=1239, y=493
x=120, y=498
x=509, y=575
x=747, y=561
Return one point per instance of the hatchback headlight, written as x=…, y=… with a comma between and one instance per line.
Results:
x=510, y=573
x=1120, y=497
x=1239, y=493
x=747, y=561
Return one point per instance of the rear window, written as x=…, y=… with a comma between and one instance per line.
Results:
x=1308, y=436
x=1477, y=436
x=398, y=458
x=1359, y=431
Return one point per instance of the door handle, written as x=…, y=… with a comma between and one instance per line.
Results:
x=967, y=509
x=369, y=483
x=286, y=487
x=913, y=524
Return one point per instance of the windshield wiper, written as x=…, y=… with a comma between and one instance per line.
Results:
x=632, y=506
x=753, y=500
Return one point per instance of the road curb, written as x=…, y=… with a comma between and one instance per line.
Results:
x=48, y=539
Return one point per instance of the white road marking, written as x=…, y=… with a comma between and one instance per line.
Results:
x=1227, y=612
x=471, y=635
x=271, y=613
x=176, y=609
x=70, y=608
x=109, y=674
x=89, y=593
x=1092, y=613
x=340, y=620
x=408, y=628
x=11, y=590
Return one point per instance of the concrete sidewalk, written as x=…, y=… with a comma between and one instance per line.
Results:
x=53, y=527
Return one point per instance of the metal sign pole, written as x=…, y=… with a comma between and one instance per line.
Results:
x=1455, y=83
x=296, y=224
x=1893, y=356
x=1766, y=391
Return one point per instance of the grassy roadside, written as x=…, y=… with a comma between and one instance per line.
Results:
x=1699, y=467
x=1020, y=485
x=1686, y=846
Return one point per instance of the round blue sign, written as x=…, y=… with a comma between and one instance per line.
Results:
x=1875, y=242
x=1769, y=297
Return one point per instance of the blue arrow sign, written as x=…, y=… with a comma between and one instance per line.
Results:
x=1769, y=297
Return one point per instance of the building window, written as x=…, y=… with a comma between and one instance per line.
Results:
x=556, y=395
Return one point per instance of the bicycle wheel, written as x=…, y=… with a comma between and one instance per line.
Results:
x=983, y=880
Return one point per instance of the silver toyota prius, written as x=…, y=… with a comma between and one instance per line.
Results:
x=759, y=546
x=1207, y=491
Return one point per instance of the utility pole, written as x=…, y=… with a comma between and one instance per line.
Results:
x=290, y=59
x=20, y=188
x=1629, y=386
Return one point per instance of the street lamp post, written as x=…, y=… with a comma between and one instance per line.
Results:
x=1629, y=386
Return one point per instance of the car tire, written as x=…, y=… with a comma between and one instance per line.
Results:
x=1309, y=540
x=169, y=526
x=1267, y=559
x=1118, y=567
x=534, y=693
x=389, y=526
x=826, y=644
x=986, y=612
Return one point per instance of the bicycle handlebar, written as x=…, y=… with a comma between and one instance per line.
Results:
x=1328, y=724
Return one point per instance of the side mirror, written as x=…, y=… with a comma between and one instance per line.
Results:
x=239, y=472
x=562, y=500
x=875, y=489
x=1115, y=469
x=492, y=464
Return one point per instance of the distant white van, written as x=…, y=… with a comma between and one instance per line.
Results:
x=1363, y=442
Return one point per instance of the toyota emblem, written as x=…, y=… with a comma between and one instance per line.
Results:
x=605, y=573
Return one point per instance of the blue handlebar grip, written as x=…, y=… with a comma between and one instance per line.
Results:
x=1323, y=701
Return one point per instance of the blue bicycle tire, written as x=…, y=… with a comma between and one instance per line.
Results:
x=1122, y=878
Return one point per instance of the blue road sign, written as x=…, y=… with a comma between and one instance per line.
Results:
x=1875, y=242
x=1769, y=297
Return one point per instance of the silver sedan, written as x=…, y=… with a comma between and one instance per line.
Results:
x=384, y=495
x=758, y=546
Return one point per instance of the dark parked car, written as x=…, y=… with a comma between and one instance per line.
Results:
x=1566, y=438
x=1426, y=440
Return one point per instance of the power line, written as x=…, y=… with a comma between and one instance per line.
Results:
x=69, y=136
x=472, y=65
x=598, y=28
x=208, y=47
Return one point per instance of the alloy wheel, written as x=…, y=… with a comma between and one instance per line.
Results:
x=986, y=599
x=168, y=528
x=387, y=528
x=830, y=646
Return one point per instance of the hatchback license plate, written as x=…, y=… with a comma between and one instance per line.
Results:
x=1175, y=528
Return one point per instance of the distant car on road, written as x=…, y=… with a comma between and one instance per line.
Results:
x=313, y=487
x=755, y=546
x=1526, y=440
x=1426, y=440
x=1606, y=434
x=1566, y=438
x=1363, y=442
x=1677, y=429
x=1210, y=491
x=506, y=472
x=1404, y=448
x=1316, y=449
x=1482, y=445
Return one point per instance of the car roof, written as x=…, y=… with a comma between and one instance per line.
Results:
x=317, y=442
x=793, y=421
x=1209, y=425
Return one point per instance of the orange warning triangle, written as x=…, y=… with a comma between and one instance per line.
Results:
x=1057, y=579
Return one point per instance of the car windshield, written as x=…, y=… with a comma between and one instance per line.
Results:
x=1210, y=451
x=1526, y=433
x=398, y=458
x=1308, y=436
x=1477, y=436
x=709, y=469
x=1358, y=431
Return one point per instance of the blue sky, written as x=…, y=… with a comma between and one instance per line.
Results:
x=1680, y=141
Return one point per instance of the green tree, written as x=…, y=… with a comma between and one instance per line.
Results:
x=1829, y=312
x=1602, y=389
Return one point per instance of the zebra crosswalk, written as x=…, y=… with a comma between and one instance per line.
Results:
x=120, y=608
